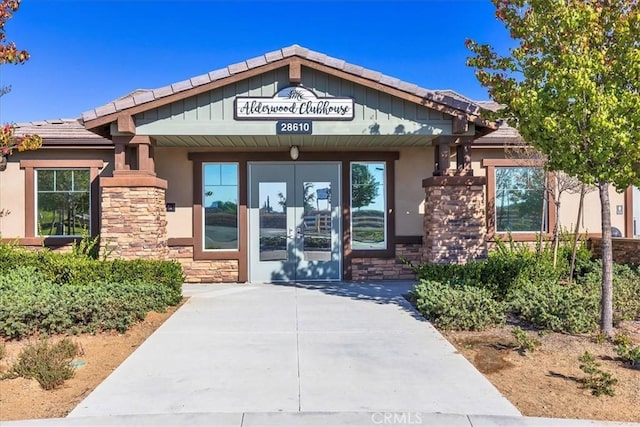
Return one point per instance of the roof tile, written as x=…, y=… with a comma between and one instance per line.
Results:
x=143, y=97
x=371, y=75
x=200, y=80
x=219, y=74
x=289, y=51
x=106, y=109
x=389, y=81
x=238, y=67
x=89, y=115
x=162, y=92
x=334, y=63
x=273, y=56
x=256, y=62
x=317, y=57
x=353, y=69
x=124, y=103
x=180, y=86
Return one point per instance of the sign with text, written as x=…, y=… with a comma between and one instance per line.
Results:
x=294, y=102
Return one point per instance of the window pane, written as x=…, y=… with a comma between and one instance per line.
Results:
x=273, y=220
x=80, y=180
x=316, y=222
x=220, y=201
x=45, y=180
x=368, y=206
x=60, y=211
x=519, y=199
x=63, y=180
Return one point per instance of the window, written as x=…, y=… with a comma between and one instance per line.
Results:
x=368, y=206
x=63, y=202
x=220, y=205
x=519, y=199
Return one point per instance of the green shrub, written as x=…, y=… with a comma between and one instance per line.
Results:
x=599, y=381
x=626, y=350
x=569, y=308
x=626, y=288
x=48, y=363
x=457, y=307
x=524, y=343
x=30, y=302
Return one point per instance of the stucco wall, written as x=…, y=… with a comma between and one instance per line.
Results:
x=173, y=165
x=412, y=167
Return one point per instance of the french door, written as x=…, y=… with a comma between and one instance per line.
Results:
x=294, y=222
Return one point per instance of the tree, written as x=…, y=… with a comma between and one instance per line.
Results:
x=9, y=53
x=365, y=187
x=571, y=87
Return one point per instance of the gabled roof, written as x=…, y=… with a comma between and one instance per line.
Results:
x=144, y=99
x=61, y=131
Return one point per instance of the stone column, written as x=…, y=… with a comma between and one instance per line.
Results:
x=133, y=216
x=454, y=220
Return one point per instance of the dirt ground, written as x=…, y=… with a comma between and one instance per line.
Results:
x=545, y=383
x=101, y=354
x=542, y=384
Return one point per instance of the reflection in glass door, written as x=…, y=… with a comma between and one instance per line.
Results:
x=294, y=222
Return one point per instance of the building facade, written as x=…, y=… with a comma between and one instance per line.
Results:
x=289, y=166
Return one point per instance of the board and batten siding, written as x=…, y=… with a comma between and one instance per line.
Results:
x=212, y=113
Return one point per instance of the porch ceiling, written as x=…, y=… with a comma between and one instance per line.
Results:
x=315, y=141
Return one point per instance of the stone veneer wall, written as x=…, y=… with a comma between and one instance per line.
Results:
x=387, y=268
x=625, y=250
x=204, y=271
x=133, y=222
x=454, y=219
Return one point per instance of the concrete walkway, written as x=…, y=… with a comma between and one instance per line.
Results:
x=331, y=354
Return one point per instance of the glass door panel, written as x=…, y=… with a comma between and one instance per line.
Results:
x=273, y=221
x=316, y=221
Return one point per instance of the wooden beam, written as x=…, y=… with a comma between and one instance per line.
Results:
x=295, y=73
x=463, y=160
x=126, y=124
x=442, y=159
x=459, y=125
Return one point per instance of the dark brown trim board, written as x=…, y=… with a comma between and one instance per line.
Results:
x=628, y=212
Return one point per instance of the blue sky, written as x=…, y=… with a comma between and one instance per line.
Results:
x=85, y=53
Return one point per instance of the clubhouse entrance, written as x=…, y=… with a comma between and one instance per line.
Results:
x=294, y=221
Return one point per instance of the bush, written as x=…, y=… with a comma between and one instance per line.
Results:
x=549, y=305
x=48, y=363
x=457, y=307
x=79, y=269
x=626, y=288
x=30, y=302
x=626, y=350
x=600, y=382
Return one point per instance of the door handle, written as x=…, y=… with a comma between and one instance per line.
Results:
x=299, y=232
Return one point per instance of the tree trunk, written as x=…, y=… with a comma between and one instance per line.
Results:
x=543, y=220
x=556, y=230
x=606, y=318
x=576, y=232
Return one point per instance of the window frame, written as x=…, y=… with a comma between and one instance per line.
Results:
x=385, y=209
x=490, y=166
x=29, y=166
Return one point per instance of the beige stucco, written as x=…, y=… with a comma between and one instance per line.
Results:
x=174, y=165
x=412, y=167
x=12, y=198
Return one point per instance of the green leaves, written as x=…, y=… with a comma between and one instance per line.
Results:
x=571, y=84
